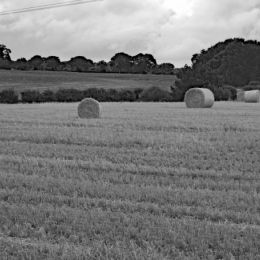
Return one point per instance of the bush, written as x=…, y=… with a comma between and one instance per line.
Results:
x=155, y=94
x=177, y=94
x=31, y=96
x=226, y=94
x=180, y=88
x=127, y=95
x=232, y=92
x=8, y=96
x=99, y=94
x=48, y=96
x=113, y=95
x=5, y=64
x=138, y=92
x=69, y=95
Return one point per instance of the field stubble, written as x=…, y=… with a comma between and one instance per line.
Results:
x=146, y=181
x=53, y=80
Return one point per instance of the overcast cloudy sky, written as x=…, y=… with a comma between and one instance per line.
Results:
x=171, y=30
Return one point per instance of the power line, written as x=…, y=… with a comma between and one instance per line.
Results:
x=47, y=6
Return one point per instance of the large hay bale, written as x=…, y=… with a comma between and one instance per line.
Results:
x=199, y=98
x=89, y=108
x=252, y=96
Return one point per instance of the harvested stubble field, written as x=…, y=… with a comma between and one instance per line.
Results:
x=146, y=181
x=53, y=80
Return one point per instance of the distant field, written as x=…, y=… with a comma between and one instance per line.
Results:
x=146, y=181
x=26, y=80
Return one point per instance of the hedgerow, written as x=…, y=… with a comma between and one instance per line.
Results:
x=152, y=94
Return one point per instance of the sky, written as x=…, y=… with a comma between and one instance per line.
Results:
x=171, y=30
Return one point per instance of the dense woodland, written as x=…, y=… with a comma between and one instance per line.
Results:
x=224, y=67
x=233, y=62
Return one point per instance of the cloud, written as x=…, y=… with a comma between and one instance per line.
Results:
x=210, y=22
x=172, y=30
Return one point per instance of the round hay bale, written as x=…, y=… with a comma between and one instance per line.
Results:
x=89, y=108
x=252, y=96
x=199, y=98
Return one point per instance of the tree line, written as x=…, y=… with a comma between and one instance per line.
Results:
x=119, y=63
x=233, y=62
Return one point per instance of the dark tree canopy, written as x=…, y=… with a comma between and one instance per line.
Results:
x=121, y=55
x=53, y=58
x=36, y=58
x=5, y=52
x=233, y=62
x=147, y=57
x=21, y=60
x=81, y=59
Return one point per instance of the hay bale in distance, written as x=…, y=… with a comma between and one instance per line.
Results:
x=89, y=108
x=252, y=96
x=199, y=98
